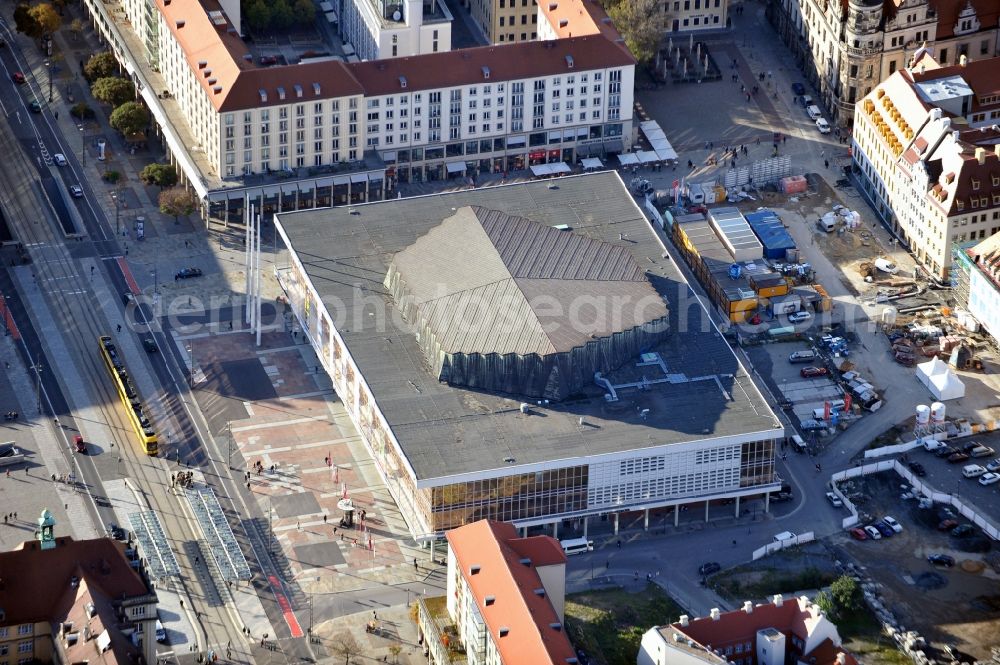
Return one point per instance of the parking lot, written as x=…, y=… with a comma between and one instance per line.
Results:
x=958, y=605
x=947, y=476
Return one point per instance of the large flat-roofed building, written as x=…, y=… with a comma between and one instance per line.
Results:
x=526, y=353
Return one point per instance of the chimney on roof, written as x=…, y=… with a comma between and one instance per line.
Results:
x=715, y=614
x=474, y=570
x=841, y=658
x=778, y=600
x=963, y=60
x=748, y=607
x=981, y=155
x=179, y=23
x=954, y=136
x=935, y=113
x=216, y=89
x=685, y=620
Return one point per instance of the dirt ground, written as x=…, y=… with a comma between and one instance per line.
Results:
x=958, y=606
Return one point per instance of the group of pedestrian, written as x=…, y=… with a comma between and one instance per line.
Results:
x=9, y=517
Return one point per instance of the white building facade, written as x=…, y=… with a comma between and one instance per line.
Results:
x=378, y=29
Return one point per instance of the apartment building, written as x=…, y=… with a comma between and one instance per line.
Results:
x=506, y=596
x=401, y=28
x=925, y=146
x=505, y=21
x=66, y=601
x=775, y=633
x=846, y=48
x=696, y=15
x=349, y=131
x=976, y=274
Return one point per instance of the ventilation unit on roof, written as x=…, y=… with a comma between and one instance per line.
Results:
x=486, y=72
x=316, y=89
x=402, y=81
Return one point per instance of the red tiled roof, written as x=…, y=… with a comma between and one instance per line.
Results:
x=33, y=580
x=988, y=12
x=542, y=550
x=504, y=62
x=528, y=617
x=577, y=18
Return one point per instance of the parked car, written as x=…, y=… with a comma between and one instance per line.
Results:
x=805, y=356
x=963, y=531
x=989, y=478
x=957, y=456
x=969, y=446
x=933, y=445
x=799, y=317
x=918, y=469
x=873, y=533
x=813, y=112
x=812, y=372
x=18, y=78
x=835, y=500
x=806, y=101
x=893, y=524
x=945, y=451
x=947, y=525
x=268, y=60
x=59, y=159
x=79, y=444
x=709, y=568
x=941, y=560
x=857, y=533
x=981, y=451
x=822, y=125
x=186, y=273
x=973, y=470
x=798, y=88
x=161, y=634
x=76, y=191
x=994, y=465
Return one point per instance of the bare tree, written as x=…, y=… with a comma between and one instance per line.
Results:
x=395, y=650
x=345, y=645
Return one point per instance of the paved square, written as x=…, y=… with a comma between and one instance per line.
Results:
x=293, y=505
x=319, y=555
x=245, y=379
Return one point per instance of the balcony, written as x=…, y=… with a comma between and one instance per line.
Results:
x=440, y=634
x=864, y=52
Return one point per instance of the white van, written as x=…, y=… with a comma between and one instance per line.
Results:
x=798, y=444
x=886, y=266
x=973, y=470
x=835, y=405
x=573, y=546
x=814, y=112
x=784, y=536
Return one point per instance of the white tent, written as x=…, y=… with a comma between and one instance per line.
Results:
x=940, y=380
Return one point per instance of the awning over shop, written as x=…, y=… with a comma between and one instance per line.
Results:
x=539, y=170
x=588, y=149
x=614, y=145
x=456, y=167
x=647, y=156
x=341, y=179
x=516, y=141
x=591, y=163
x=628, y=159
x=357, y=178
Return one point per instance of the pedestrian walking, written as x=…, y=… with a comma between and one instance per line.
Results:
x=826, y=163
x=119, y=328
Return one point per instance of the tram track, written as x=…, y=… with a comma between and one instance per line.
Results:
x=76, y=309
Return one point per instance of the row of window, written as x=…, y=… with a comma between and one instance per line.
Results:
x=698, y=4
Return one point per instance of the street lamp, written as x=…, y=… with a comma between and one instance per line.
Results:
x=38, y=386
x=83, y=144
x=191, y=362
x=114, y=197
x=48, y=66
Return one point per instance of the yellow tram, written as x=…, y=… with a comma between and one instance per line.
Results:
x=130, y=398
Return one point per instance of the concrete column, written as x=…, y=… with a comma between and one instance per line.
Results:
x=616, y=524
x=433, y=547
x=555, y=530
x=737, y=506
x=767, y=502
x=585, y=520
x=524, y=532
x=149, y=639
x=706, y=510
x=645, y=520
x=677, y=514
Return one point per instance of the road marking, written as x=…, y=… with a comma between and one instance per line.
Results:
x=286, y=607
x=280, y=423
x=8, y=319
x=127, y=274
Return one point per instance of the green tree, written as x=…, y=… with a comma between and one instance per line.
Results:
x=841, y=600
x=258, y=15
x=81, y=111
x=129, y=118
x=642, y=24
x=304, y=12
x=25, y=22
x=100, y=65
x=161, y=175
x=113, y=90
x=177, y=202
x=77, y=26
x=282, y=17
x=47, y=17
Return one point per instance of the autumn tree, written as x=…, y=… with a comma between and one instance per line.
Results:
x=100, y=65
x=161, y=175
x=25, y=22
x=46, y=17
x=77, y=26
x=177, y=202
x=113, y=90
x=129, y=118
x=641, y=23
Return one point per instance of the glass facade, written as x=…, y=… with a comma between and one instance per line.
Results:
x=757, y=463
x=516, y=497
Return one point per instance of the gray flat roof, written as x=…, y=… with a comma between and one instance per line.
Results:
x=446, y=431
